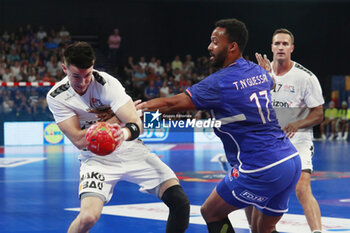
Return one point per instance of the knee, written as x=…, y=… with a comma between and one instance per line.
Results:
x=88, y=219
x=179, y=208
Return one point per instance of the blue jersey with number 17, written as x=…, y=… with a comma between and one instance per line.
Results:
x=239, y=96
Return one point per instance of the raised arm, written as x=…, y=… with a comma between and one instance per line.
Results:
x=265, y=63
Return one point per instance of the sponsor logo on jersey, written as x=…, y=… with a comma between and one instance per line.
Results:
x=280, y=104
x=289, y=88
x=97, y=104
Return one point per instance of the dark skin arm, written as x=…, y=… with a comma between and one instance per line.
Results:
x=174, y=104
x=315, y=117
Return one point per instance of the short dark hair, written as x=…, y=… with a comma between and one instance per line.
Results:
x=236, y=31
x=285, y=31
x=79, y=54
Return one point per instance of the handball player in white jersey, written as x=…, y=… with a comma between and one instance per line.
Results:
x=72, y=102
x=297, y=99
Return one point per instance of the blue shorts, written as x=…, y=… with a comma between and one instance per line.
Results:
x=267, y=190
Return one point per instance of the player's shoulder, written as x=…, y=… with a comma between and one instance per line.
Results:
x=59, y=88
x=103, y=78
x=301, y=70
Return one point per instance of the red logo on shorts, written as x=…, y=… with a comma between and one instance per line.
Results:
x=235, y=173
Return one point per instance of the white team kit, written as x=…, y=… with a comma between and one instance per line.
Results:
x=132, y=161
x=295, y=93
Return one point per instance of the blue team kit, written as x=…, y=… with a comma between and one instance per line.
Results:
x=255, y=145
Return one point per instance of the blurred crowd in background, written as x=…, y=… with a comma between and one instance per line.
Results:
x=32, y=54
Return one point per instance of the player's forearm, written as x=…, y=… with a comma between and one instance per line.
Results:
x=315, y=117
x=174, y=104
x=78, y=139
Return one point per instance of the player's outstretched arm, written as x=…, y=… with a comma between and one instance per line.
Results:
x=71, y=128
x=174, y=104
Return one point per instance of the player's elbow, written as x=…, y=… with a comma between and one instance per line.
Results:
x=318, y=115
x=180, y=102
x=319, y=119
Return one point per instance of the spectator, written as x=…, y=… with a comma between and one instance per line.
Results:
x=50, y=44
x=113, y=42
x=176, y=63
x=153, y=63
x=168, y=69
x=151, y=75
x=130, y=66
x=32, y=75
x=331, y=114
x=151, y=91
x=138, y=79
x=13, y=56
x=7, y=105
x=15, y=68
x=183, y=83
x=164, y=90
x=22, y=75
x=53, y=66
x=143, y=62
x=188, y=64
x=41, y=34
x=158, y=82
x=159, y=69
x=5, y=36
x=343, y=121
x=63, y=32
x=177, y=74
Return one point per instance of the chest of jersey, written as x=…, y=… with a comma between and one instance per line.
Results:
x=288, y=92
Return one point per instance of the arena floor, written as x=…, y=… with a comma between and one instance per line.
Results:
x=39, y=191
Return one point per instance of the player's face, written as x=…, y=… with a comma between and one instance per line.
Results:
x=282, y=47
x=218, y=47
x=79, y=79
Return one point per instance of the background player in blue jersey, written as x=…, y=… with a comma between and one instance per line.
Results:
x=265, y=164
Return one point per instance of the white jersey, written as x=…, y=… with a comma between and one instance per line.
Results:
x=295, y=93
x=104, y=91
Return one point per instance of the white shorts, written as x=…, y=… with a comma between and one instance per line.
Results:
x=98, y=178
x=306, y=151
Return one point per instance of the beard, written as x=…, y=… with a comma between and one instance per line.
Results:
x=219, y=59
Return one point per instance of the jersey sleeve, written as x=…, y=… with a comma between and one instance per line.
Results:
x=205, y=94
x=313, y=92
x=59, y=111
x=115, y=93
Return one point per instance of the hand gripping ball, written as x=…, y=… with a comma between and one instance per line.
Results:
x=101, y=138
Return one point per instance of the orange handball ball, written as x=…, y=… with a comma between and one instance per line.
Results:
x=100, y=138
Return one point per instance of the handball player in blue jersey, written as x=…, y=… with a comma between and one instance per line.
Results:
x=265, y=164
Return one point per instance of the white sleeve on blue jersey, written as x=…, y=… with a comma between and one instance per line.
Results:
x=313, y=93
x=115, y=93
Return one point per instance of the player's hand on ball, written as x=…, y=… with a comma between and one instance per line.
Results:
x=103, y=138
x=118, y=134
